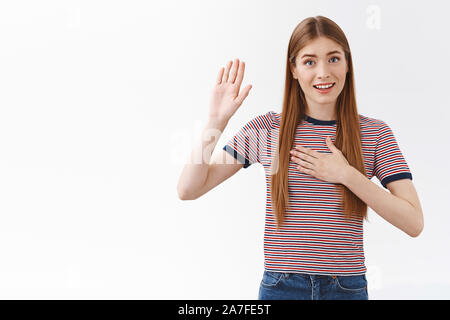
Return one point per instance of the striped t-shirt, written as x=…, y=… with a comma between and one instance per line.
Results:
x=315, y=238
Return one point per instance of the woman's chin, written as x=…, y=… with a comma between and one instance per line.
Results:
x=324, y=99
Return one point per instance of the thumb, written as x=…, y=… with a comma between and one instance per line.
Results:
x=244, y=94
x=330, y=145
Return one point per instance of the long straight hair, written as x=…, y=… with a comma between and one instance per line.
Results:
x=348, y=134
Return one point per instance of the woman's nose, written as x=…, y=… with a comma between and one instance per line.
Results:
x=322, y=71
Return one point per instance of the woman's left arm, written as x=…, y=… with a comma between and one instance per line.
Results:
x=401, y=207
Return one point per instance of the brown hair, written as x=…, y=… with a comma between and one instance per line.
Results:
x=348, y=135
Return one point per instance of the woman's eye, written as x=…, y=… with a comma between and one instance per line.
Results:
x=306, y=62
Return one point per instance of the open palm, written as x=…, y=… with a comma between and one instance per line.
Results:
x=225, y=98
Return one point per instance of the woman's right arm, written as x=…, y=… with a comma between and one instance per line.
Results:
x=201, y=174
x=198, y=178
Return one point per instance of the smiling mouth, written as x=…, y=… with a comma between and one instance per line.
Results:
x=324, y=87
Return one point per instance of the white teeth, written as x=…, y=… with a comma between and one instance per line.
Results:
x=324, y=87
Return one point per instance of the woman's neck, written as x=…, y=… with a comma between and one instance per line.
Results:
x=322, y=112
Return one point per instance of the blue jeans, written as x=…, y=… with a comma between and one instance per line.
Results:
x=299, y=286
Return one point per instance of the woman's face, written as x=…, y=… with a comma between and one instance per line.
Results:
x=322, y=61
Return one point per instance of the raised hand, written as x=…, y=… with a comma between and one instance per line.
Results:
x=225, y=97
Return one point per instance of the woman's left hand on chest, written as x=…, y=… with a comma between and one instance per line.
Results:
x=329, y=167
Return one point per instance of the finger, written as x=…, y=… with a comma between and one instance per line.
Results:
x=302, y=163
x=219, y=76
x=308, y=151
x=232, y=77
x=240, y=74
x=243, y=94
x=330, y=144
x=304, y=156
x=227, y=70
x=305, y=164
x=306, y=170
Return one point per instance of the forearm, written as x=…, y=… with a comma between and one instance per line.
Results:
x=395, y=210
x=195, y=171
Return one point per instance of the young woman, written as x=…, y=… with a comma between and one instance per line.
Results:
x=319, y=155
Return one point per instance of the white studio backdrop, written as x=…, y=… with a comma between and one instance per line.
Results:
x=101, y=102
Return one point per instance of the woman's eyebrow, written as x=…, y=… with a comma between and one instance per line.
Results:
x=314, y=56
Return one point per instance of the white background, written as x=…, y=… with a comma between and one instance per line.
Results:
x=101, y=102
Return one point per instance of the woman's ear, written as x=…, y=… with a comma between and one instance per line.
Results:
x=292, y=71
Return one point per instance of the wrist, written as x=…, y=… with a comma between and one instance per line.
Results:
x=347, y=174
x=217, y=123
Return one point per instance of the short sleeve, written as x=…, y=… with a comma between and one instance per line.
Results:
x=389, y=165
x=250, y=142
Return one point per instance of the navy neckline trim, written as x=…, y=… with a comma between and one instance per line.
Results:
x=322, y=122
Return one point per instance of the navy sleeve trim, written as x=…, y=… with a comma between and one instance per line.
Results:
x=237, y=155
x=394, y=177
